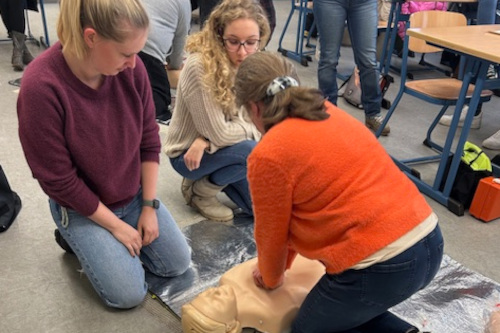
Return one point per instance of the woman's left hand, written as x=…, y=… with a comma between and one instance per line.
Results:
x=148, y=225
x=193, y=156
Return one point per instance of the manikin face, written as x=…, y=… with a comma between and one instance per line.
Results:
x=241, y=38
x=218, y=304
x=109, y=57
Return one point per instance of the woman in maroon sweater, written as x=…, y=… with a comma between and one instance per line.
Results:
x=88, y=131
x=323, y=186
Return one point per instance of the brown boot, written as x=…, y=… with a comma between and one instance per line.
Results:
x=17, y=52
x=27, y=56
x=204, y=199
x=187, y=190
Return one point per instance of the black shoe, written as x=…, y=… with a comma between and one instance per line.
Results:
x=62, y=242
x=164, y=118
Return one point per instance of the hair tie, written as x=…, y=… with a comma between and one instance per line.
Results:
x=279, y=84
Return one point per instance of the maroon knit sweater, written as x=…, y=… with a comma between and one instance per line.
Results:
x=85, y=145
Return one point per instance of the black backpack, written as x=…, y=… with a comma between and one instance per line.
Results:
x=10, y=203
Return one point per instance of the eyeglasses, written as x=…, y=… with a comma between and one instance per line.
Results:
x=233, y=45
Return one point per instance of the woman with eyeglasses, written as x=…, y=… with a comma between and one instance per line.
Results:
x=209, y=138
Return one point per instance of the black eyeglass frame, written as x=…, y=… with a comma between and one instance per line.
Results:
x=244, y=44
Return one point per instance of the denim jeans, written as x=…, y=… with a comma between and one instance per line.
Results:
x=486, y=11
x=362, y=21
x=117, y=277
x=226, y=167
x=356, y=301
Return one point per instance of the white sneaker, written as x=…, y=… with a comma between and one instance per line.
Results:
x=492, y=73
x=476, y=121
x=493, y=142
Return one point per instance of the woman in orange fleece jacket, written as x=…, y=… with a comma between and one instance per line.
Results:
x=324, y=187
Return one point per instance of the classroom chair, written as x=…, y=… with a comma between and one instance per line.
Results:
x=440, y=91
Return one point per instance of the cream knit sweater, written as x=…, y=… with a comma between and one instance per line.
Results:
x=198, y=114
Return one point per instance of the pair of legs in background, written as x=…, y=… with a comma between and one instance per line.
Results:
x=362, y=22
x=357, y=301
x=13, y=17
x=117, y=277
x=225, y=170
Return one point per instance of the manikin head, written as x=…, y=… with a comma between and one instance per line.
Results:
x=213, y=311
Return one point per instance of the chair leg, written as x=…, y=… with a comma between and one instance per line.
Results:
x=428, y=140
x=389, y=113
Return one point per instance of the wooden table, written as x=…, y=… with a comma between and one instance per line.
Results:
x=481, y=48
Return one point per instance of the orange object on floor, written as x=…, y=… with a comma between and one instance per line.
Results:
x=486, y=203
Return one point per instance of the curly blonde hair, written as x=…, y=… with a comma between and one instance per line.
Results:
x=219, y=72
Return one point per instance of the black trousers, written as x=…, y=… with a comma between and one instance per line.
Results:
x=13, y=15
x=159, y=83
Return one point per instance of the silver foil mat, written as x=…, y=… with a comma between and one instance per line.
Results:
x=458, y=300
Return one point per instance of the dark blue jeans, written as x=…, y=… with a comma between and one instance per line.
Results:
x=357, y=301
x=226, y=167
x=362, y=21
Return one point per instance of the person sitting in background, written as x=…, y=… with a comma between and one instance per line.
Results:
x=323, y=187
x=12, y=12
x=88, y=131
x=170, y=23
x=209, y=139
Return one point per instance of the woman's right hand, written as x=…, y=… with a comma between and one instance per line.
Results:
x=129, y=237
x=122, y=231
x=193, y=156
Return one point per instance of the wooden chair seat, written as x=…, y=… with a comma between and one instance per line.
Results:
x=445, y=88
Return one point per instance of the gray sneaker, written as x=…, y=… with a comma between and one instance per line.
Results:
x=374, y=124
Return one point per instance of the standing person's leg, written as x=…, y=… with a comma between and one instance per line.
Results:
x=356, y=301
x=160, y=86
x=4, y=8
x=20, y=54
x=330, y=16
x=486, y=11
x=13, y=15
x=362, y=21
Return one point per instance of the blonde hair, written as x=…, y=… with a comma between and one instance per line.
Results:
x=255, y=74
x=219, y=72
x=111, y=19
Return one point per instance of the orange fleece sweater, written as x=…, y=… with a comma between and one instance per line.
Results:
x=329, y=191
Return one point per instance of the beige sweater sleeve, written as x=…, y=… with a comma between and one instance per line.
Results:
x=198, y=114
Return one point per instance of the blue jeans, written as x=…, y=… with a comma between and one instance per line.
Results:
x=117, y=277
x=356, y=301
x=486, y=11
x=226, y=167
x=362, y=21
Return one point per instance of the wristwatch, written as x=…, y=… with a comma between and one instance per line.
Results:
x=155, y=203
